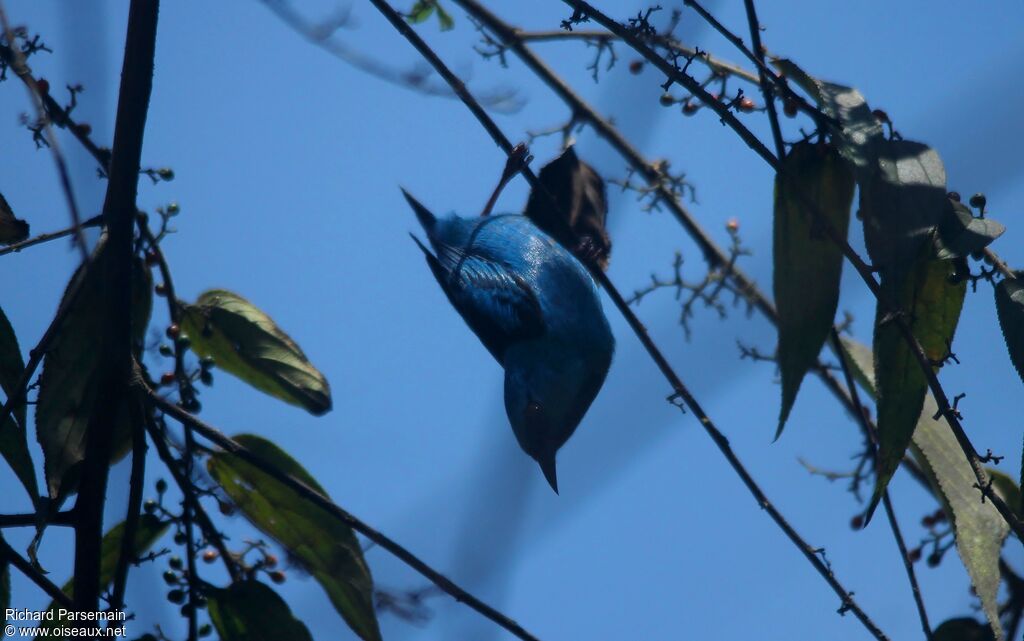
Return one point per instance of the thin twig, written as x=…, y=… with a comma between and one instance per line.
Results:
x=17, y=62
x=66, y=518
x=872, y=436
x=305, y=491
x=717, y=65
x=95, y=221
x=210, y=532
x=766, y=86
x=8, y=554
x=680, y=391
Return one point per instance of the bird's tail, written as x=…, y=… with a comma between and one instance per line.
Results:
x=427, y=219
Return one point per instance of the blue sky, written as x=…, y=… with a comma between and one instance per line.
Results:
x=288, y=164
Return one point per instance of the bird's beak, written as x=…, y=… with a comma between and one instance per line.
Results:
x=426, y=218
x=547, y=465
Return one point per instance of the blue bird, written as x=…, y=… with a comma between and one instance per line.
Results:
x=536, y=309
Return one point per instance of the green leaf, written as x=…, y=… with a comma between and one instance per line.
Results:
x=978, y=526
x=251, y=611
x=857, y=131
x=962, y=629
x=961, y=234
x=70, y=381
x=421, y=11
x=148, y=532
x=13, y=440
x=980, y=529
x=1010, y=309
x=444, y=18
x=808, y=265
x=246, y=342
x=902, y=202
x=12, y=229
x=319, y=542
x=933, y=305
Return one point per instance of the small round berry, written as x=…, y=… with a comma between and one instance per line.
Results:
x=933, y=560
x=165, y=173
x=225, y=508
x=170, y=578
x=44, y=86
x=183, y=342
x=149, y=506
x=167, y=378
x=636, y=67
x=175, y=562
x=277, y=576
x=173, y=209
x=690, y=108
x=165, y=350
x=954, y=196
x=206, y=377
x=207, y=362
x=733, y=225
x=745, y=104
x=928, y=522
x=205, y=630
x=176, y=596
x=161, y=486
x=789, y=107
x=173, y=331
x=881, y=116
x=978, y=201
x=152, y=258
x=857, y=522
x=210, y=556
x=914, y=555
x=160, y=289
x=667, y=100
x=270, y=560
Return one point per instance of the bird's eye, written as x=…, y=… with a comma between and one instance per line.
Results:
x=533, y=408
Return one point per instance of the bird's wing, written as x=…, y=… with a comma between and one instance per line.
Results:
x=496, y=303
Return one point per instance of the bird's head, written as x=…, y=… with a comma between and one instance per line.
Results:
x=546, y=404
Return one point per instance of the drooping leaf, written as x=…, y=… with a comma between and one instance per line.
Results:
x=147, y=532
x=1010, y=309
x=579, y=193
x=978, y=526
x=246, y=342
x=902, y=202
x=421, y=11
x=251, y=611
x=12, y=229
x=932, y=295
x=13, y=441
x=807, y=264
x=444, y=18
x=961, y=234
x=857, y=129
x=962, y=629
x=980, y=529
x=324, y=546
x=69, y=384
